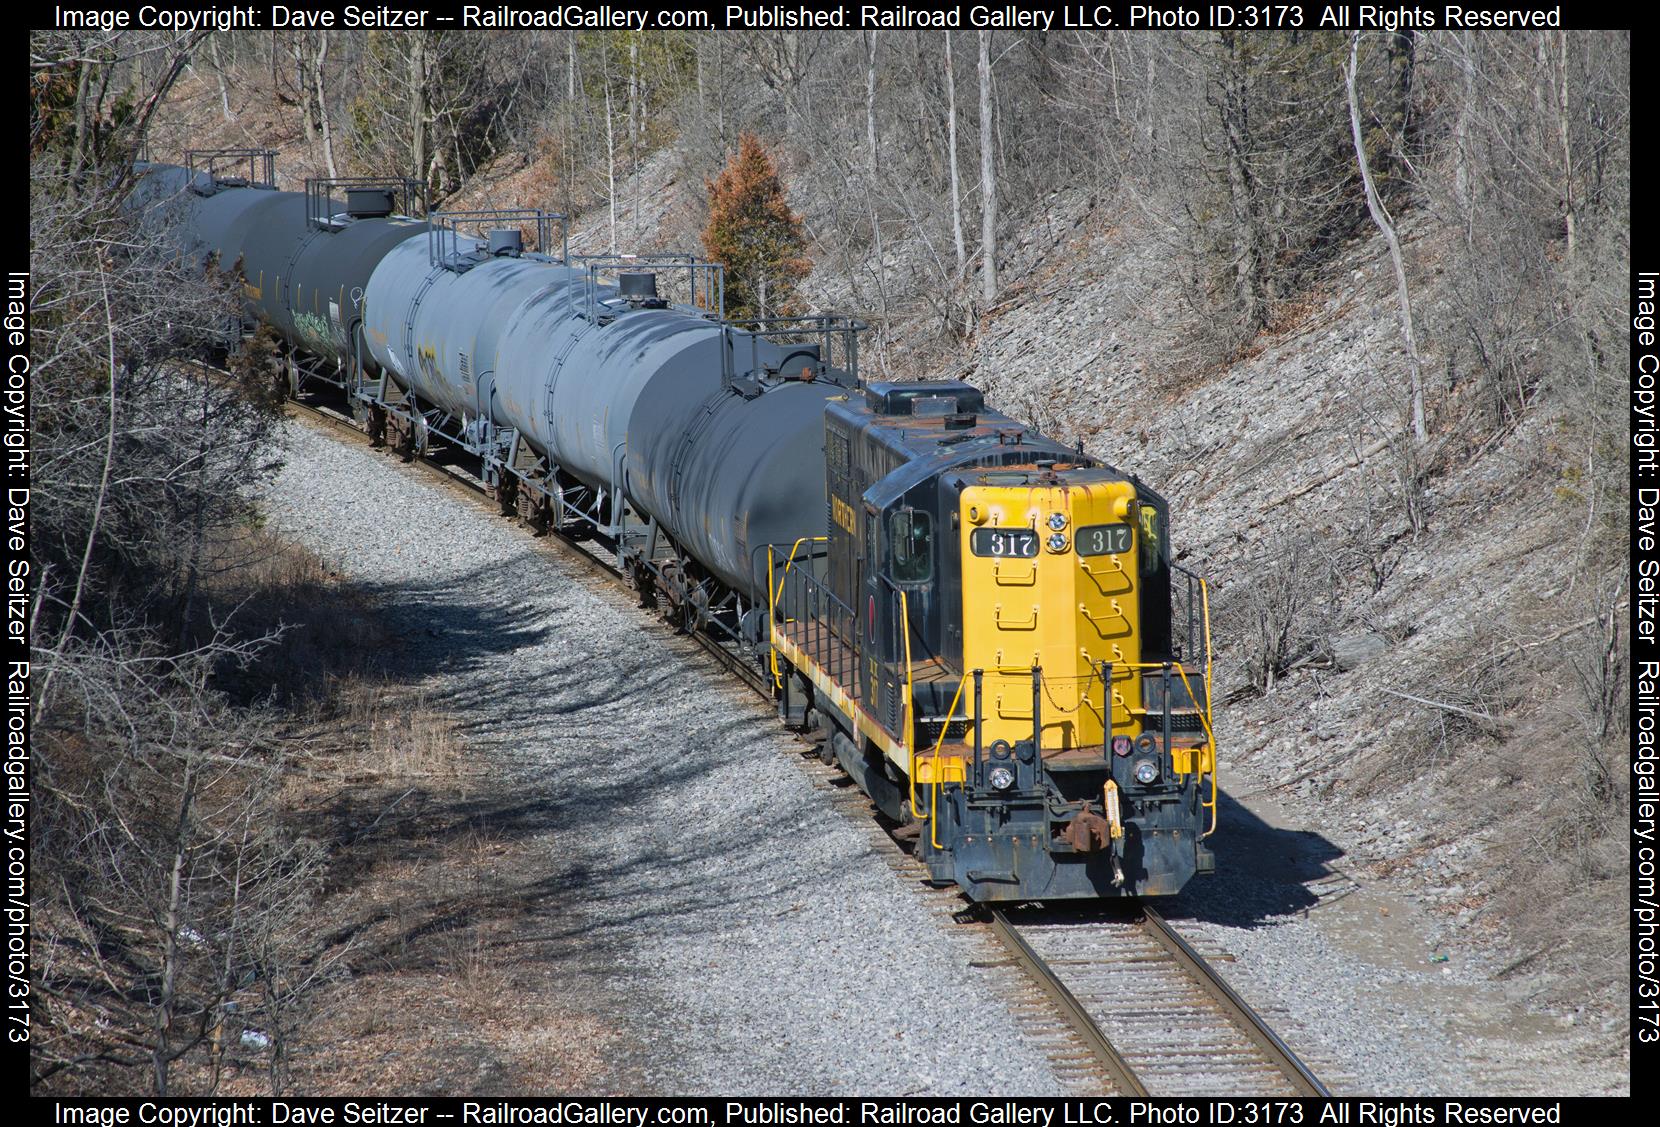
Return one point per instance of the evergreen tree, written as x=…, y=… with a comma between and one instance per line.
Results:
x=754, y=234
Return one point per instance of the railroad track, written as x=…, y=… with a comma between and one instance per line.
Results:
x=1101, y=981
x=1157, y=1016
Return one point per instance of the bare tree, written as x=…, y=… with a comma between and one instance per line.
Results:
x=951, y=143
x=988, y=178
x=1386, y=226
x=319, y=57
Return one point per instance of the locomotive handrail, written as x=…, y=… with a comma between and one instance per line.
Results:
x=1198, y=629
x=939, y=743
x=909, y=734
x=774, y=594
x=1204, y=719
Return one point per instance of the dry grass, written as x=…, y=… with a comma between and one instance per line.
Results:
x=451, y=964
x=325, y=629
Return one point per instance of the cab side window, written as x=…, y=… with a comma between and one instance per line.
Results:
x=1152, y=539
x=912, y=535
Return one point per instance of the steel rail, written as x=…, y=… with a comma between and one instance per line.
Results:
x=1250, y=1023
x=1117, y=1068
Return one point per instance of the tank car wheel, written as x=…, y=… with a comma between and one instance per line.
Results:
x=400, y=436
x=279, y=378
x=645, y=584
x=506, y=494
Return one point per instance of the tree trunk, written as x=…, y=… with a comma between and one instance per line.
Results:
x=1569, y=217
x=161, y=1053
x=1461, y=133
x=611, y=161
x=635, y=114
x=1248, y=251
x=78, y=157
x=302, y=87
x=418, y=108
x=951, y=148
x=219, y=73
x=870, y=103
x=988, y=179
x=572, y=136
x=318, y=88
x=1380, y=216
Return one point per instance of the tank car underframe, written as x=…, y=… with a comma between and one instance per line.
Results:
x=524, y=483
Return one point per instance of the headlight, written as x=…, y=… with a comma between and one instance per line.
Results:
x=1057, y=542
x=1121, y=746
x=1001, y=778
x=1057, y=521
x=1146, y=771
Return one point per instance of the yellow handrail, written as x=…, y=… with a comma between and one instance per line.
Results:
x=773, y=595
x=1204, y=719
x=790, y=562
x=908, y=736
x=933, y=831
x=772, y=624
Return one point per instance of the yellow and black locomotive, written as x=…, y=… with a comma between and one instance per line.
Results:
x=988, y=638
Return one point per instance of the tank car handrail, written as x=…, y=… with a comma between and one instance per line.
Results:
x=596, y=263
x=262, y=164
x=827, y=327
x=319, y=194
x=442, y=223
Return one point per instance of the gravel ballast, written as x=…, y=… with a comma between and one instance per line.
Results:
x=743, y=935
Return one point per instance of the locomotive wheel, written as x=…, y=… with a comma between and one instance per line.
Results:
x=376, y=424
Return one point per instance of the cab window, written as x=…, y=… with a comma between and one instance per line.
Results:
x=912, y=535
x=1152, y=539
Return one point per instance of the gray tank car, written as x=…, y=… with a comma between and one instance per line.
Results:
x=590, y=406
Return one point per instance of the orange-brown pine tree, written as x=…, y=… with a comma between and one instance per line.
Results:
x=754, y=234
